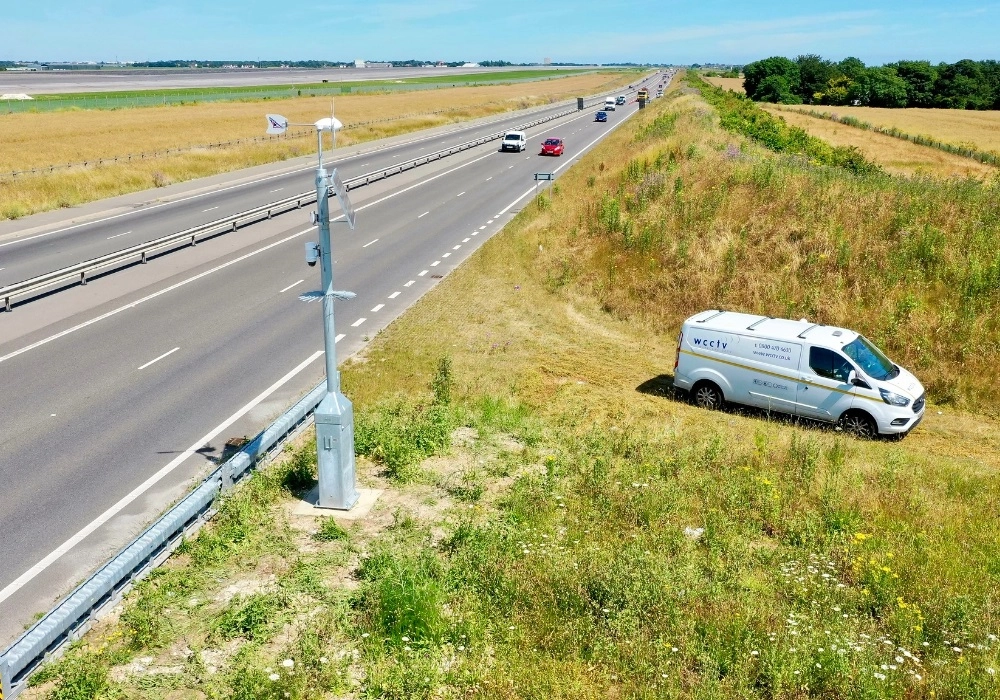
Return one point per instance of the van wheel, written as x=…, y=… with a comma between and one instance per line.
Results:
x=708, y=396
x=858, y=424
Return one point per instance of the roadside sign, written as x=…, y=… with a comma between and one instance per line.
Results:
x=544, y=176
x=345, y=201
x=276, y=124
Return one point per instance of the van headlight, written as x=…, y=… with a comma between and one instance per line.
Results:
x=894, y=399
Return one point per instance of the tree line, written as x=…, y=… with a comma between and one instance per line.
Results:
x=811, y=79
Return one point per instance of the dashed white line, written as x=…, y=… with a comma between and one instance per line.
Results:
x=423, y=215
x=466, y=240
x=110, y=237
x=435, y=263
x=209, y=209
x=359, y=322
x=446, y=255
x=378, y=307
x=410, y=283
x=157, y=359
x=481, y=228
x=457, y=247
x=490, y=221
x=489, y=178
x=290, y=286
x=369, y=243
x=394, y=295
x=460, y=194
x=277, y=190
x=422, y=273
x=111, y=512
x=340, y=336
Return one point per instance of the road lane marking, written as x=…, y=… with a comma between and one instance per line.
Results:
x=168, y=352
x=446, y=255
x=466, y=240
x=209, y=209
x=378, y=307
x=422, y=273
x=340, y=336
x=290, y=286
x=481, y=228
x=410, y=283
x=460, y=194
x=457, y=247
x=277, y=190
x=423, y=215
x=16, y=585
x=369, y=243
x=358, y=322
x=135, y=303
x=490, y=221
x=110, y=237
x=394, y=295
x=435, y=263
x=489, y=178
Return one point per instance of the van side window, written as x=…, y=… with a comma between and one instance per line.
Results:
x=827, y=363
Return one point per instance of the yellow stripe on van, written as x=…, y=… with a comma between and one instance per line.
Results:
x=778, y=376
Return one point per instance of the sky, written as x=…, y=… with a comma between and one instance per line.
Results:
x=578, y=31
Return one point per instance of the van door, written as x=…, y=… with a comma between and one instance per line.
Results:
x=823, y=391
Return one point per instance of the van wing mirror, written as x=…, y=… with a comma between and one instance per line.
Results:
x=852, y=378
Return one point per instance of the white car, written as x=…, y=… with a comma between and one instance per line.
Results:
x=514, y=141
x=803, y=369
x=609, y=104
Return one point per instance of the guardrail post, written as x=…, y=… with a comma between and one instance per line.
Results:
x=6, y=304
x=234, y=225
x=83, y=277
x=5, y=689
x=143, y=259
x=194, y=239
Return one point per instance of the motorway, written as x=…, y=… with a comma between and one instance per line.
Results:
x=116, y=394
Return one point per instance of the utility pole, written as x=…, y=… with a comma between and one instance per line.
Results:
x=334, y=416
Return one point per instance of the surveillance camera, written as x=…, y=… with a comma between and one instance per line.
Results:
x=312, y=253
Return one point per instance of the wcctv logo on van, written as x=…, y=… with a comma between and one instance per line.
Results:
x=721, y=343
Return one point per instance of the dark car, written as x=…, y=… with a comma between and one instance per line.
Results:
x=601, y=116
x=552, y=147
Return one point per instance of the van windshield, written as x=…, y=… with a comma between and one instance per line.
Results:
x=871, y=360
x=513, y=137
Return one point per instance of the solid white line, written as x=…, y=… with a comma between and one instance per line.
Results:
x=116, y=236
x=422, y=273
x=369, y=243
x=394, y=295
x=378, y=307
x=133, y=304
x=104, y=517
x=168, y=352
x=423, y=215
x=410, y=283
x=290, y=286
x=466, y=240
x=460, y=194
x=435, y=263
x=209, y=209
x=358, y=322
x=340, y=336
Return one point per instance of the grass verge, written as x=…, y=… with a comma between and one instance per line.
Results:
x=563, y=527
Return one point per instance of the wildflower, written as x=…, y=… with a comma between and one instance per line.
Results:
x=461, y=648
x=673, y=649
x=880, y=676
x=365, y=635
x=323, y=660
x=991, y=671
x=899, y=659
x=406, y=639
x=754, y=653
x=957, y=650
x=288, y=663
x=274, y=677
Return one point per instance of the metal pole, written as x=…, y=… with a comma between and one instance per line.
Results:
x=335, y=415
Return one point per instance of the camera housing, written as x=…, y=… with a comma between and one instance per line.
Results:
x=312, y=253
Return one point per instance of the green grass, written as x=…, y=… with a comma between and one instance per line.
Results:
x=142, y=98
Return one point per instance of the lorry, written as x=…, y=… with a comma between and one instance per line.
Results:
x=808, y=370
x=643, y=94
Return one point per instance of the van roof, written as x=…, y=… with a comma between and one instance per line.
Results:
x=773, y=328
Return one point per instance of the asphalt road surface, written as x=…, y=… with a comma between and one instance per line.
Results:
x=66, y=81
x=117, y=394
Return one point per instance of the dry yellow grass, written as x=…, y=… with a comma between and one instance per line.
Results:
x=895, y=155
x=978, y=130
x=46, y=139
x=734, y=84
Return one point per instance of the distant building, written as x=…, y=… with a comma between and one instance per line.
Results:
x=359, y=63
x=470, y=65
x=546, y=61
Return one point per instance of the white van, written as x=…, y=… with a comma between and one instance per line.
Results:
x=804, y=369
x=609, y=104
x=514, y=141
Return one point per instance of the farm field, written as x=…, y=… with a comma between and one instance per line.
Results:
x=734, y=84
x=978, y=129
x=895, y=155
x=556, y=523
x=40, y=140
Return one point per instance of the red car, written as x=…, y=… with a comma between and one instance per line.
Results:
x=552, y=147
